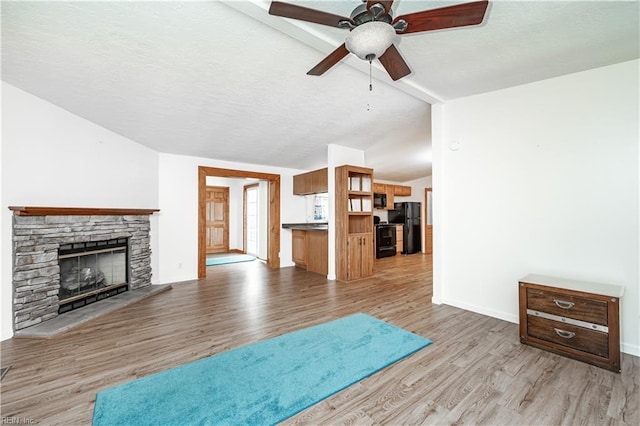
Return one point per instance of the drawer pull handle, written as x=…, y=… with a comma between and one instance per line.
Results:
x=564, y=334
x=563, y=304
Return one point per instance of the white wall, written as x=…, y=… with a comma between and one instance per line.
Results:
x=6, y=330
x=51, y=157
x=545, y=181
x=178, y=219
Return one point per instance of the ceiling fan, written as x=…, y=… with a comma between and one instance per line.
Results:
x=373, y=29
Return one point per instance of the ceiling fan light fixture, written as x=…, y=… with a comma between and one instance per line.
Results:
x=371, y=38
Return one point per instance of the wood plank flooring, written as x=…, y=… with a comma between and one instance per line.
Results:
x=475, y=372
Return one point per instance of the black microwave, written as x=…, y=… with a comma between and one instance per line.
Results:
x=380, y=201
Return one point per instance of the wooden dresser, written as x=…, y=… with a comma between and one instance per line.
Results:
x=577, y=319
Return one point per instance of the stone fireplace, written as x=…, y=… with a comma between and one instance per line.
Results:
x=69, y=258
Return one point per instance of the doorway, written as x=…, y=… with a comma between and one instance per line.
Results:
x=250, y=219
x=428, y=227
x=273, y=214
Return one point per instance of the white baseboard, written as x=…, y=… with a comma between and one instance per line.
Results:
x=630, y=349
x=624, y=347
x=482, y=310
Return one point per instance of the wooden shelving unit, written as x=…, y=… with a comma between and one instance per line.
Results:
x=354, y=222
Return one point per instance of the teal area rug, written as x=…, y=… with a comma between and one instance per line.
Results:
x=223, y=260
x=263, y=383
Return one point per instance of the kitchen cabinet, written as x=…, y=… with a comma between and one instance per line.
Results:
x=399, y=238
x=299, y=247
x=355, y=251
x=359, y=256
x=318, y=252
x=379, y=188
x=401, y=190
x=387, y=189
x=580, y=320
x=314, y=182
x=310, y=250
x=391, y=191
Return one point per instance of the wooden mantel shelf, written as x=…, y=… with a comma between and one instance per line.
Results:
x=78, y=211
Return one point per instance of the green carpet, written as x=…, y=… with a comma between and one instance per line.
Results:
x=263, y=383
x=223, y=260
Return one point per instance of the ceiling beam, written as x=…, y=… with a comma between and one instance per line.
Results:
x=309, y=35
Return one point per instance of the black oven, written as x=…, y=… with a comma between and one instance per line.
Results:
x=385, y=240
x=380, y=201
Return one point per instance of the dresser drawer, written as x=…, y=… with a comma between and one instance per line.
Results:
x=577, y=319
x=582, y=339
x=565, y=305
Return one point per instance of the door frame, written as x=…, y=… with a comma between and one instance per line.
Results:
x=273, y=235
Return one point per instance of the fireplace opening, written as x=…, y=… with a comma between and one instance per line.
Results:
x=91, y=271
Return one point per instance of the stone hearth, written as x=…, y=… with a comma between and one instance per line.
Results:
x=38, y=233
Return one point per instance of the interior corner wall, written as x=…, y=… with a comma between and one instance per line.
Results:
x=51, y=157
x=439, y=219
x=540, y=178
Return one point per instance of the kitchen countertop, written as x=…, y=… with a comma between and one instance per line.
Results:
x=307, y=226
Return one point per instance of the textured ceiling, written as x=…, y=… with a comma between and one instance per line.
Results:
x=225, y=80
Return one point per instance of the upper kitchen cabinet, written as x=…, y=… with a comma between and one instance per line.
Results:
x=401, y=191
x=389, y=191
x=379, y=188
x=383, y=195
x=314, y=182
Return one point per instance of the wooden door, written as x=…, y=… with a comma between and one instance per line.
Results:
x=299, y=247
x=354, y=257
x=317, y=247
x=428, y=212
x=368, y=254
x=217, y=219
x=360, y=256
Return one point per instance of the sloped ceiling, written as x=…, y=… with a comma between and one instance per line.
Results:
x=225, y=80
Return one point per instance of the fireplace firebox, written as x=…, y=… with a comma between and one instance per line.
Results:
x=91, y=271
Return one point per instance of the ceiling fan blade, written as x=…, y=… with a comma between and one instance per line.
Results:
x=392, y=61
x=293, y=11
x=459, y=15
x=386, y=4
x=333, y=58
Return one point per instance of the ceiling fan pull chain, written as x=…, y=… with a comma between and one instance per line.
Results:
x=370, y=80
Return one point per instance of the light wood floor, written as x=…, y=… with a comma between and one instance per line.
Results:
x=475, y=372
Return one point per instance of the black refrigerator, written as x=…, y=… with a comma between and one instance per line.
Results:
x=409, y=215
